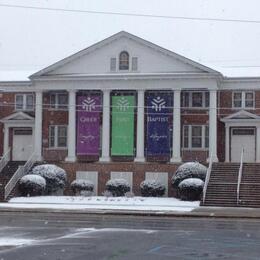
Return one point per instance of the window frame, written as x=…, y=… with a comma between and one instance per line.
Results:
x=187, y=96
x=203, y=137
x=243, y=99
x=56, y=137
x=25, y=106
x=57, y=105
x=120, y=60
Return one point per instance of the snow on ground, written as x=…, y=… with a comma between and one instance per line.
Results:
x=9, y=241
x=101, y=202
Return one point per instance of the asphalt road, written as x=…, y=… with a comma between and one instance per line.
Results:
x=25, y=236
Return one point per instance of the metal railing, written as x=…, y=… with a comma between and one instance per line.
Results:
x=5, y=159
x=21, y=171
x=207, y=178
x=240, y=172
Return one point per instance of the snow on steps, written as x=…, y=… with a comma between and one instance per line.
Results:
x=223, y=185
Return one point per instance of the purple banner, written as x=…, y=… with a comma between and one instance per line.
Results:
x=88, y=121
x=159, y=112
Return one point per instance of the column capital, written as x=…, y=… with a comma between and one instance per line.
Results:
x=38, y=91
x=72, y=90
x=106, y=90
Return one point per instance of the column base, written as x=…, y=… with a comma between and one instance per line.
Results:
x=39, y=158
x=214, y=159
x=70, y=159
x=104, y=159
x=139, y=159
x=176, y=160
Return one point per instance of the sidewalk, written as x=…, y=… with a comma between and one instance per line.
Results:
x=165, y=207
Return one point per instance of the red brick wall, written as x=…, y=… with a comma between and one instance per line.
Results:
x=104, y=170
x=52, y=117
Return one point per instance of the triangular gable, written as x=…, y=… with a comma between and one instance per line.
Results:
x=117, y=36
x=240, y=115
x=18, y=116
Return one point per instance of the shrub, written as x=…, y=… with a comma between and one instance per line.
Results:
x=79, y=187
x=189, y=170
x=32, y=185
x=55, y=177
x=118, y=187
x=191, y=189
x=152, y=188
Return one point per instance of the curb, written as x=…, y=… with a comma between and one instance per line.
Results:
x=230, y=213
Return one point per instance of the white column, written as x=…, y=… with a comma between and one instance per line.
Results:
x=38, y=125
x=213, y=126
x=140, y=127
x=258, y=144
x=106, y=127
x=227, y=145
x=6, y=139
x=72, y=127
x=176, y=138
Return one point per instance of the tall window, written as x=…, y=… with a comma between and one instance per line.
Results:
x=24, y=102
x=124, y=61
x=195, y=99
x=195, y=136
x=243, y=99
x=58, y=136
x=59, y=101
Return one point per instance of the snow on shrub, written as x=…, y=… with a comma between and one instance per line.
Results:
x=152, y=188
x=189, y=170
x=80, y=186
x=55, y=177
x=32, y=185
x=118, y=187
x=191, y=189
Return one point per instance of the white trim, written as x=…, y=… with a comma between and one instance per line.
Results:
x=56, y=137
x=24, y=103
x=243, y=99
x=203, y=132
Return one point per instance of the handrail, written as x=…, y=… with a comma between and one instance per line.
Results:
x=240, y=172
x=5, y=159
x=20, y=172
x=207, y=178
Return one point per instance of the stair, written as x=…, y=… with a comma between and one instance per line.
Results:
x=250, y=186
x=7, y=173
x=222, y=187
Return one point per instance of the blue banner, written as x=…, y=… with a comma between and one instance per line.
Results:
x=159, y=123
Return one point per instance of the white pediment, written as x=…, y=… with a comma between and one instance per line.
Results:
x=95, y=60
x=240, y=115
x=18, y=116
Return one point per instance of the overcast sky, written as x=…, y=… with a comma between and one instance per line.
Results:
x=33, y=39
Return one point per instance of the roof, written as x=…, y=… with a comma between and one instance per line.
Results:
x=118, y=36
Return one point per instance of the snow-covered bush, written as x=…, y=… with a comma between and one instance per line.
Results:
x=79, y=187
x=118, y=187
x=191, y=189
x=55, y=177
x=32, y=185
x=189, y=170
x=152, y=188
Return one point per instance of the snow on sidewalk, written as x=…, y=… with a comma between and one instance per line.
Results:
x=101, y=202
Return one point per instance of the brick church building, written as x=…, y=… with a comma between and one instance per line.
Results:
x=125, y=107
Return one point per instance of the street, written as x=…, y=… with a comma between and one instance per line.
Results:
x=82, y=236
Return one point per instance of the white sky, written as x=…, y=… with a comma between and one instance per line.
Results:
x=33, y=39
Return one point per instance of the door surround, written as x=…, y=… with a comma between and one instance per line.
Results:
x=16, y=120
x=241, y=119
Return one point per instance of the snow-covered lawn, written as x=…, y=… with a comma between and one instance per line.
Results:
x=101, y=202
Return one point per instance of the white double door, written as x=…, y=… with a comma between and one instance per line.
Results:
x=23, y=144
x=243, y=138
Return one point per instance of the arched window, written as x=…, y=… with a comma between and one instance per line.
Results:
x=124, y=61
